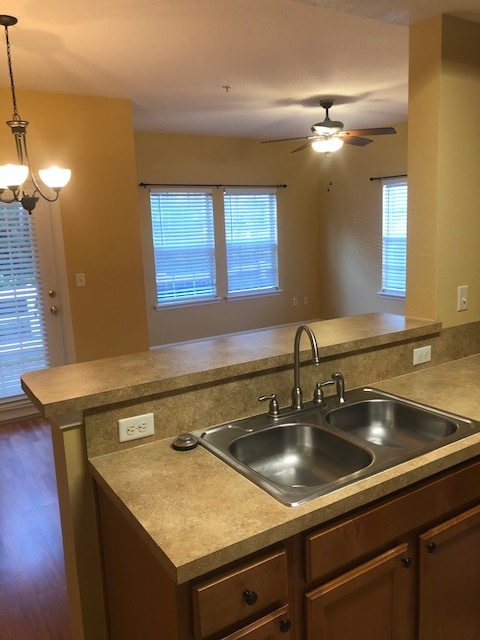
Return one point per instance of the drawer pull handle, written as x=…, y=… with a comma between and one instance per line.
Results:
x=407, y=562
x=250, y=597
x=285, y=625
x=431, y=547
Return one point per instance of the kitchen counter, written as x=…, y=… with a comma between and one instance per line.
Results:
x=195, y=513
x=89, y=385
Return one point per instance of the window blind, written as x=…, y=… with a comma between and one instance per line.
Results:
x=394, y=238
x=23, y=343
x=251, y=241
x=184, y=247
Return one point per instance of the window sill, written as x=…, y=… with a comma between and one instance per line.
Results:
x=186, y=303
x=250, y=294
x=391, y=296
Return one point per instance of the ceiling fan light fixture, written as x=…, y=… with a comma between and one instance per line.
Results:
x=327, y=145
x=327, y=127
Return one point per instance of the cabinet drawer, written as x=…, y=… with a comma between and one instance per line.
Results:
x=273, y=626
x=240, y=593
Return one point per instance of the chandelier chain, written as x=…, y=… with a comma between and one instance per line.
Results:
x=10, y=71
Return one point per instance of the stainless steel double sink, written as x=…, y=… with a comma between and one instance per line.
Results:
x=306, y=453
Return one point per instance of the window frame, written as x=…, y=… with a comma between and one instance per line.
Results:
x=185, y=300
x=220, y=256
x=272, y=242
x=386, y=291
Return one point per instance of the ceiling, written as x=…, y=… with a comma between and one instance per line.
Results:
x=248, y=68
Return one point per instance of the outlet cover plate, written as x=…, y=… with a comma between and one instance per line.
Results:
x=136, y=427
x=422, y=355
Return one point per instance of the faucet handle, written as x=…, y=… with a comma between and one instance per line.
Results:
x=318, y=397
x=273, y=407
x=339, y=380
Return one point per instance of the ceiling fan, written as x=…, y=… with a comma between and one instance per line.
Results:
x=329, y=135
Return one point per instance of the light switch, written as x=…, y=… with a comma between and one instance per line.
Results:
x=80, y=280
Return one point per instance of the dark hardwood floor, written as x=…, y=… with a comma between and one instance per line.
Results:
x=33, y=597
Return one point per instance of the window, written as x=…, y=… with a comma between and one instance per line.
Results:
x=251, y=241
x=23, y=344
x=394, y=238
x=184, y=248
x=187, y=253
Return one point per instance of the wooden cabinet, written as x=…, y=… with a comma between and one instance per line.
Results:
x=449, y=579
x=406, y=567
x=371, y=602
x=386, y=572
x=249, y=600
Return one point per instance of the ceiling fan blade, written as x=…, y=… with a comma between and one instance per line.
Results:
x=355, y=140
x=287, y=139
x=378, y=131
x=304, y=146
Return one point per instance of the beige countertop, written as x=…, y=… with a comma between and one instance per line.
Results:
x=98, y=383
x=196, y=513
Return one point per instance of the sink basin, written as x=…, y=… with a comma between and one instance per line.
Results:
x=305, y=453
x=389, y=423
x=299, y=455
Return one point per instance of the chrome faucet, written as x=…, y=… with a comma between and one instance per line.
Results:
x=296, y=391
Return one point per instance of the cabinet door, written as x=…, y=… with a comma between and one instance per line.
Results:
x=449, y=594
x=275, y=626
x=372, y=602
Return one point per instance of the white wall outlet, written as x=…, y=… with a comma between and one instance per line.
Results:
x=462, y=297
x=422, y=354
x=136, y=427
x=305, y=299
x=295, y=302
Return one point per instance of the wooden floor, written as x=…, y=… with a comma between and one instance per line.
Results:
x=33, y=599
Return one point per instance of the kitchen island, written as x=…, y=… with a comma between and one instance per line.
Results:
x=191, y=512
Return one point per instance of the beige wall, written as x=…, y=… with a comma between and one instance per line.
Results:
x=443, y=160
x=329, y=240
x=99, y=211
x=351, y=236
x=210, y=160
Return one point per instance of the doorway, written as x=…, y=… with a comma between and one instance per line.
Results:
x=34, y=309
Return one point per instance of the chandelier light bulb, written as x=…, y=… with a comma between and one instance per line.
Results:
x=55, y=177
x=327, y=145
x=13, y=175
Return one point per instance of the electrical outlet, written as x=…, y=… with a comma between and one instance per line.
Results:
x=305, y=299
x=295, y=302
x=136, y=427
x=422, y=354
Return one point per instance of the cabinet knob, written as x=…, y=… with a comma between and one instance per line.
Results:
x=285, y=625
x=407, y=562
x=431, y=547
x=250, y=597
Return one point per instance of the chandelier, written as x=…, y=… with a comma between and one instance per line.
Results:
x=13, y=176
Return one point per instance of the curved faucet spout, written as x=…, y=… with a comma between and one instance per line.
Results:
x=297, y=391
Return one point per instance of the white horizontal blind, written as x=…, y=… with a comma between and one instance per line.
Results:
x=184, y=248
x=251, y=241
x=23, y=343
x=394, y=238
